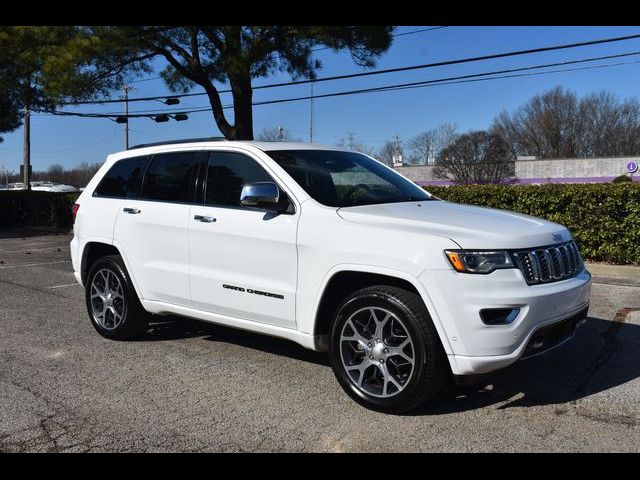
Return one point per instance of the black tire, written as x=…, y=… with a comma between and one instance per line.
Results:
x=430, y=367
x=134, y=319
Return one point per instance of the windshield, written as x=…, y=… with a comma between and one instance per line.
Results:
x=346, y=179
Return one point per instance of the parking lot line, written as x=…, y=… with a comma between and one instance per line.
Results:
x=66, y=285
x=27, y=249
x=34, y=264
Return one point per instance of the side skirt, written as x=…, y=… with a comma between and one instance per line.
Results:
x=306, y=340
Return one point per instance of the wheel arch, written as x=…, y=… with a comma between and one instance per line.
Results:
x=344, y=280
x=95, y=249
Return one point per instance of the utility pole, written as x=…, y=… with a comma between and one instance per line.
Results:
x=26, y=153
x=6, y=175
x=397, y=154
x=280, y=133
x=126, y=89
x=430, y=154
x=311, y=117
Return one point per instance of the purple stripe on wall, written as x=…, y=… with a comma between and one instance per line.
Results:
x=570, y=180
x=528, y=181
x=445, y=183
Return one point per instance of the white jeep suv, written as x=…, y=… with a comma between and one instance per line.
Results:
x=328, y=248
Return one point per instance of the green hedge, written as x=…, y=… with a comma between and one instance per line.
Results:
x=604, y=218
x=21, y=208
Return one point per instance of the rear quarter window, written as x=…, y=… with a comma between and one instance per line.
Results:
x=123, y=180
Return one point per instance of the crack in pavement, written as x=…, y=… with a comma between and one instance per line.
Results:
x=50, y=427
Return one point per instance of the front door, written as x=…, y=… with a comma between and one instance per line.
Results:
x=243, y=260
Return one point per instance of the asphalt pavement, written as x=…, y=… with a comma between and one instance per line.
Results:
x=192, y=386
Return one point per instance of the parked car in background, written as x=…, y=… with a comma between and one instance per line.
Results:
x=41, y=186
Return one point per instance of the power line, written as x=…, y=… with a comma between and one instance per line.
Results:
x=592, y=67
x=423, y=83
x=394, y=35
x=75, y=147
x=385, y=71
x=418, y=31
x=402, y=34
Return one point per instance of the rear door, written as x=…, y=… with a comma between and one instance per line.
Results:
x=243, y=260
x=153, y=229
x=121, y=183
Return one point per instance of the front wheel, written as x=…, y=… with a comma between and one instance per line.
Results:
x=113, y=306
x=385, y=351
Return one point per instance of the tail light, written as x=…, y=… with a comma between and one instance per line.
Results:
x=74, y=210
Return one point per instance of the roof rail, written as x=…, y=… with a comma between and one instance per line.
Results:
x=184, y=140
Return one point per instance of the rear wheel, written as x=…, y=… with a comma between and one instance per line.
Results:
x=385, y=351
x=112, y=303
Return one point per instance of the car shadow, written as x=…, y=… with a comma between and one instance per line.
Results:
x=25, y=233
x=174, y=328
x=602, y=355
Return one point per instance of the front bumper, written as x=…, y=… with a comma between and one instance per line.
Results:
x=476, y=348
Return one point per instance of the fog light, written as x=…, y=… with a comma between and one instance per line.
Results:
x=499, y=316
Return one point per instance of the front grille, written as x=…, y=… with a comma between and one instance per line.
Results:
x=549, y=264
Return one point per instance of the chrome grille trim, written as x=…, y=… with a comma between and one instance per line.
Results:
x=564, y=253
x=535, y=265
x=549, y=264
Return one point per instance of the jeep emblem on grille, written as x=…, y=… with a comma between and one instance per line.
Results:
x=557, y=237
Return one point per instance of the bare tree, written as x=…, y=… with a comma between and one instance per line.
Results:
x=386, y=153
x=390, y=149
x=350, y=143
x=55, y=173
x=276, y=134
x=82, y=174
x=558, y=125
x=609, y=127
x=545, y=126
x=475, y=157
x=79, y=176
x=428, y=144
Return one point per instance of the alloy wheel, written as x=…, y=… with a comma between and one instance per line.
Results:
x=107, y=299
x=377, y=352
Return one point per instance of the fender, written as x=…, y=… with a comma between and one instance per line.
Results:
x=424, y=294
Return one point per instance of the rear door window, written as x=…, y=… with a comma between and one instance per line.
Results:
x=171, y=177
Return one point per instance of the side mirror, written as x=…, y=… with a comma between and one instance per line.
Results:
x=261, y=195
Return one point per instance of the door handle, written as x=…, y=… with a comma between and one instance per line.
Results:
x=204, y=219
x=132, y=211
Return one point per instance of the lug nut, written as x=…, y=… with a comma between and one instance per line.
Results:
x=386, y=350
x=370, y=357
x=369, y=345
x=381, y=360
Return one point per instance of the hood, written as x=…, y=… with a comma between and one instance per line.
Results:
x=469, y=226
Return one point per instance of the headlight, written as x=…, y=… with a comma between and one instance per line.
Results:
x=479, y=261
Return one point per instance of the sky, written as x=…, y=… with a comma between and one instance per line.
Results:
x=373, y=118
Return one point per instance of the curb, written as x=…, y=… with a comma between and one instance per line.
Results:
x=621, y=281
